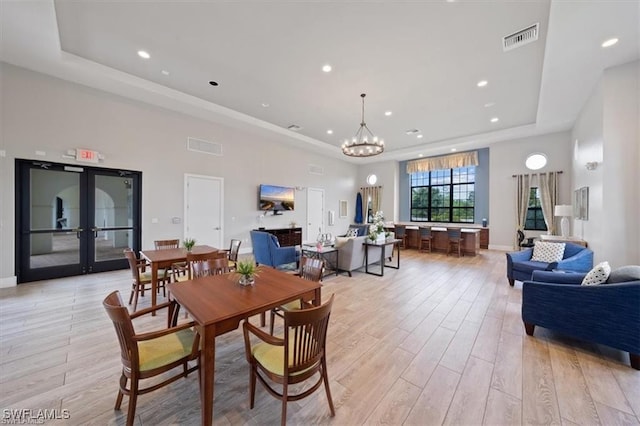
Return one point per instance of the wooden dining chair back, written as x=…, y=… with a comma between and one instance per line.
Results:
x=400, y=232
x=183, y=272
x=166, y=244
x=311, y=269
x=216, y=266
x=151, y=353
x=141, y=279
x=425, y=238
x=232, y=253
x=296, y=357
x=455, y=240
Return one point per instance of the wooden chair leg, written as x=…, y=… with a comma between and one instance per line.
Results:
x=283, y=421
x=135, y=300
x=325, y=376
x=123, y=385
x=133, y=398
x=272, y=320
x=252, y=385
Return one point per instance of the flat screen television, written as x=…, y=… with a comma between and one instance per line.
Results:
x=276, y=198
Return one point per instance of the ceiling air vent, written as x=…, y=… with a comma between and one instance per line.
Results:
x=205, y=147
x=316, y=170
x=294, y=128
x=520, y=38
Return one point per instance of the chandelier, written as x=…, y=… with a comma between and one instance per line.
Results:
x=363, y=144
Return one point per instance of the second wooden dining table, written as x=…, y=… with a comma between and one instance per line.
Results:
x=164, y=258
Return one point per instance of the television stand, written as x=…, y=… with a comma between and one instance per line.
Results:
x=286, y=236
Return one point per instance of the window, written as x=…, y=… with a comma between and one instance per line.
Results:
x=535, y=218
x=443, y=195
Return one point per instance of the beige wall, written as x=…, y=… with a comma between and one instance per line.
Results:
x=41, y=113
x=607, y=132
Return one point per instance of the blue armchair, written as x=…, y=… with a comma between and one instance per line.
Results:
x=607, y=314
x=267, y=250
x=520, y=266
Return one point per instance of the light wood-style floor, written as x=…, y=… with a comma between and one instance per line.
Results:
x=439, y=341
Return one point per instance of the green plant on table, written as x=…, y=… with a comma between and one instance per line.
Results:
x=188, y=243
x=247, y=270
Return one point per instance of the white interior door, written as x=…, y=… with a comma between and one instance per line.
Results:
x=315, y=213
x=203, y=207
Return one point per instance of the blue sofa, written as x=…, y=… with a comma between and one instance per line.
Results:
x=520, y=266
x=607, y=314
x=267, y=250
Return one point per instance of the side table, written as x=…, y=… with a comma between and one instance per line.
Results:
x=331, y=262
x=383, y=248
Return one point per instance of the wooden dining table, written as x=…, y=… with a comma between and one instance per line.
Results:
x=164, y=259
x=218, y=303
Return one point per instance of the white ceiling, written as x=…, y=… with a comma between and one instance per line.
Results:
x=419, y=59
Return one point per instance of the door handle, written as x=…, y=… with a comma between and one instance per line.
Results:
x=95, y=231
x=78, y=231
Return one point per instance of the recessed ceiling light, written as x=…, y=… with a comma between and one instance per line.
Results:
x=412, y=131
x=420, y=155
x=144, y=54
x=495, y=119
x=420, y=136
x=265, y=105
x=213, y=83
x=165, y=72
x=489, y=104
x=388, y=113
x=482, y=83
x=610, y=42
x=453, y=149
x=329, y=132
x=326, y=68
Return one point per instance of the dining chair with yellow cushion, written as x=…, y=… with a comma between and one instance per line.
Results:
x=184, y=272
x=232, y=253
x=310, y=269
x=166, y=245
x=208, y=267
x=305, y=335
x=141, y=277
x=151, y=353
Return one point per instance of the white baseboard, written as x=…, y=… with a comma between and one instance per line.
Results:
x=8, y=282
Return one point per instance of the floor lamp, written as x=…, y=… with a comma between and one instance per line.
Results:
x=565, y=211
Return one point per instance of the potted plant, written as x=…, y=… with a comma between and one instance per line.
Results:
x=247, y=270
x=188, y=243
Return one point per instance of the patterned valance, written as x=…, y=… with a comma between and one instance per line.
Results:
x=453, y=161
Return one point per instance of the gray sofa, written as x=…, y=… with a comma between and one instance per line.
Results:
x=351, y=252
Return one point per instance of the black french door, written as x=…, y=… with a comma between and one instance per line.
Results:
x=74, y=220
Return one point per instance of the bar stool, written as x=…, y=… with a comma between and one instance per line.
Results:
x=425, y=238
x=455, y=240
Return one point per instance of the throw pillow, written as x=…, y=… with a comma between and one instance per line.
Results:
x=340, y=241
x=547, y=252
x=352, y=232
x=624, y=274
x=598, y=274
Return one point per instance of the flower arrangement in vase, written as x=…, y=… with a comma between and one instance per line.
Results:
x=376, y=231
x=247, y=270
x=188, y=243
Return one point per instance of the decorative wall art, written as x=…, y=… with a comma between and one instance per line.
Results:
x=581, y=203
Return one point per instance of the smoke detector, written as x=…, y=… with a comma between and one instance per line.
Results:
x=521, y=37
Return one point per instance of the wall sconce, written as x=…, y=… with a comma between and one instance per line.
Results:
x=592, y=165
